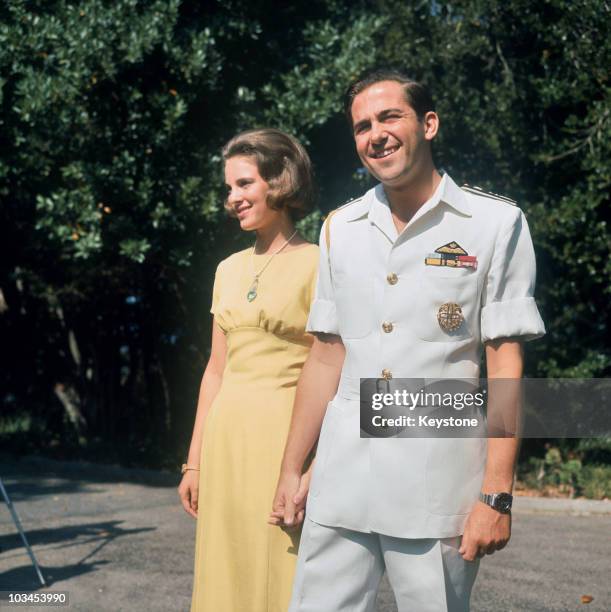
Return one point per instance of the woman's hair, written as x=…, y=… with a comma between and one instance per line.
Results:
x=283, y=164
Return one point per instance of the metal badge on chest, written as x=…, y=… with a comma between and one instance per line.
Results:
x=450, y=316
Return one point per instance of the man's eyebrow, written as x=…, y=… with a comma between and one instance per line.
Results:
x=383, y=113
x=387, y=111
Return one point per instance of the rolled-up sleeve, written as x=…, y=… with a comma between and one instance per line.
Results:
x=508, y=304
x=323, y=315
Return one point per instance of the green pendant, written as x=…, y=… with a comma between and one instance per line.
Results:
x=252, y=292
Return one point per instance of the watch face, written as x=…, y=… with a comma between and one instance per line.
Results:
x=503, y=502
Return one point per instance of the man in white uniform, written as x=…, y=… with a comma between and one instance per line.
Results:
x=389, y=305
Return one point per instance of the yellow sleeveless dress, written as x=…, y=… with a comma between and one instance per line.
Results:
x=242, y=564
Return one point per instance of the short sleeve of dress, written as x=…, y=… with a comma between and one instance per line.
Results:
x=508, y=304
x=323, y=314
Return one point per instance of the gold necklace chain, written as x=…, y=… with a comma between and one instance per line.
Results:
x=252, y=292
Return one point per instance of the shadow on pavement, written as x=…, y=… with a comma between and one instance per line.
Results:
x=27, y=488
x=67, y=536
x=38, y=467
x=24, y=577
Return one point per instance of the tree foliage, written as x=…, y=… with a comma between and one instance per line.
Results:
x=111, y=219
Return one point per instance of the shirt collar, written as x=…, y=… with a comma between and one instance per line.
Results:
x=454, y=196
x=359, y=209
x=375, y=205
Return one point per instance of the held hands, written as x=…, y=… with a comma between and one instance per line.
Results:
x=486, y=531
x=188, y=492
x=288, y=508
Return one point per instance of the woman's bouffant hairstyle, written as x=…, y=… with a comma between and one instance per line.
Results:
x=283, y=164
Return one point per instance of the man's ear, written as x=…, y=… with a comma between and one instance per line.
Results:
x=430, y=121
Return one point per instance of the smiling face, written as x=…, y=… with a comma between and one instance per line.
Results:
x=393, y=144
x=247, y=193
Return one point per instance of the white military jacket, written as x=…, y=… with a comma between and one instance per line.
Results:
x=376, y=292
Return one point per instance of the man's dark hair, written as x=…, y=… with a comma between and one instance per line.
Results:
x=417, y=95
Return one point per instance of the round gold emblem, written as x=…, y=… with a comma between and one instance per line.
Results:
x=450, y=316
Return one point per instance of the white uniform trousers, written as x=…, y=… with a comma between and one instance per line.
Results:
x=339, y=570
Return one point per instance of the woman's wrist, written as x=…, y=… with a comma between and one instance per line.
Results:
x=188, y=466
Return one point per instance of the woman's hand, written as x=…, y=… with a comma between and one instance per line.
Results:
x=188, y=492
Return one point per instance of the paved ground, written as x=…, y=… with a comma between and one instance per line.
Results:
x=118, y=540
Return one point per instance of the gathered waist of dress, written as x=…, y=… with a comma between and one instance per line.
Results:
x=257, y=355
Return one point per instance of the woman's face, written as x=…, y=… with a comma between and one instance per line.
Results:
x=247, y=194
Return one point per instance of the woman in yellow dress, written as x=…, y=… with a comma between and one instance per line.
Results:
x=261, y=299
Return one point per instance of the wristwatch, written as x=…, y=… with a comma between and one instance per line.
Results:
x=500, y=502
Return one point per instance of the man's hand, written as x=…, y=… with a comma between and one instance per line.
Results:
x=486, y=531
x=316, y=386
x=288, y=508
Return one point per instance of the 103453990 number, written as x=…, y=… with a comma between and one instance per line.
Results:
x=35, y=598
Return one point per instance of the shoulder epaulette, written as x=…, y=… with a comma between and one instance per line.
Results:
x=488, y=194
x=327, y=218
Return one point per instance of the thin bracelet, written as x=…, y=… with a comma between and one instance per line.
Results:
x=186, y=468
